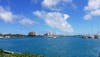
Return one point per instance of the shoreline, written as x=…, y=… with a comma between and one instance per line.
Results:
x=6, y=53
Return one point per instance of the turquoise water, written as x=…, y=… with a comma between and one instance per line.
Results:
x=50, y=47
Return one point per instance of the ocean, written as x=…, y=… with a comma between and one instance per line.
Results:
x=53, y=47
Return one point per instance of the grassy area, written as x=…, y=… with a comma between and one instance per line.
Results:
x=5, y=54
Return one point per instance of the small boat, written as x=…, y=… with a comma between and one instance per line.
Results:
x=52, y=36
x=1, y=37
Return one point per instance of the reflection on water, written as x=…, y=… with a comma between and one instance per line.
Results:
x=61, y=46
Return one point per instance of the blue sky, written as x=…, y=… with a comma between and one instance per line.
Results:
x=60, y=16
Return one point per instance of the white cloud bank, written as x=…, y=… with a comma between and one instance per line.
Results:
x=50, y=3
x=55, y=4
x=8, y=16
x=92, y=9
x=56, y=20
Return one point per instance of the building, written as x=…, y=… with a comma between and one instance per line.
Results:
x=32, y=34
x=49, y=34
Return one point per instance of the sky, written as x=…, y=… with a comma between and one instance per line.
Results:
x=41, y=16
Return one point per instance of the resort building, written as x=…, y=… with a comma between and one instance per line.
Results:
x=32, y=34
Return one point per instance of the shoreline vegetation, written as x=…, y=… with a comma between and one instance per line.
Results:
x=4, y=53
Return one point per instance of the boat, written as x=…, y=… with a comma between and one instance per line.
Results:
x=51, y=36
x=1, y=37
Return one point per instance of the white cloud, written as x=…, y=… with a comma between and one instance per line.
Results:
x=6, y=15
x=26, y=21
x=56, y=4
x=87, y=17
x=56, y=20
x=50, y=3
x=95, y=12
x=93, y=8
x=93, y=5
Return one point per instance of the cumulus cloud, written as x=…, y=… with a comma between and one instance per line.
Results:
x=56, y=4
x=56, y=20
x=92, y=9
x=6, y=15
x=50, y=3
x=87, y=17
x=26, y=21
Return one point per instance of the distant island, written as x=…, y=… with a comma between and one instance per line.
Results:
x=30, y=34
x=47, y=34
